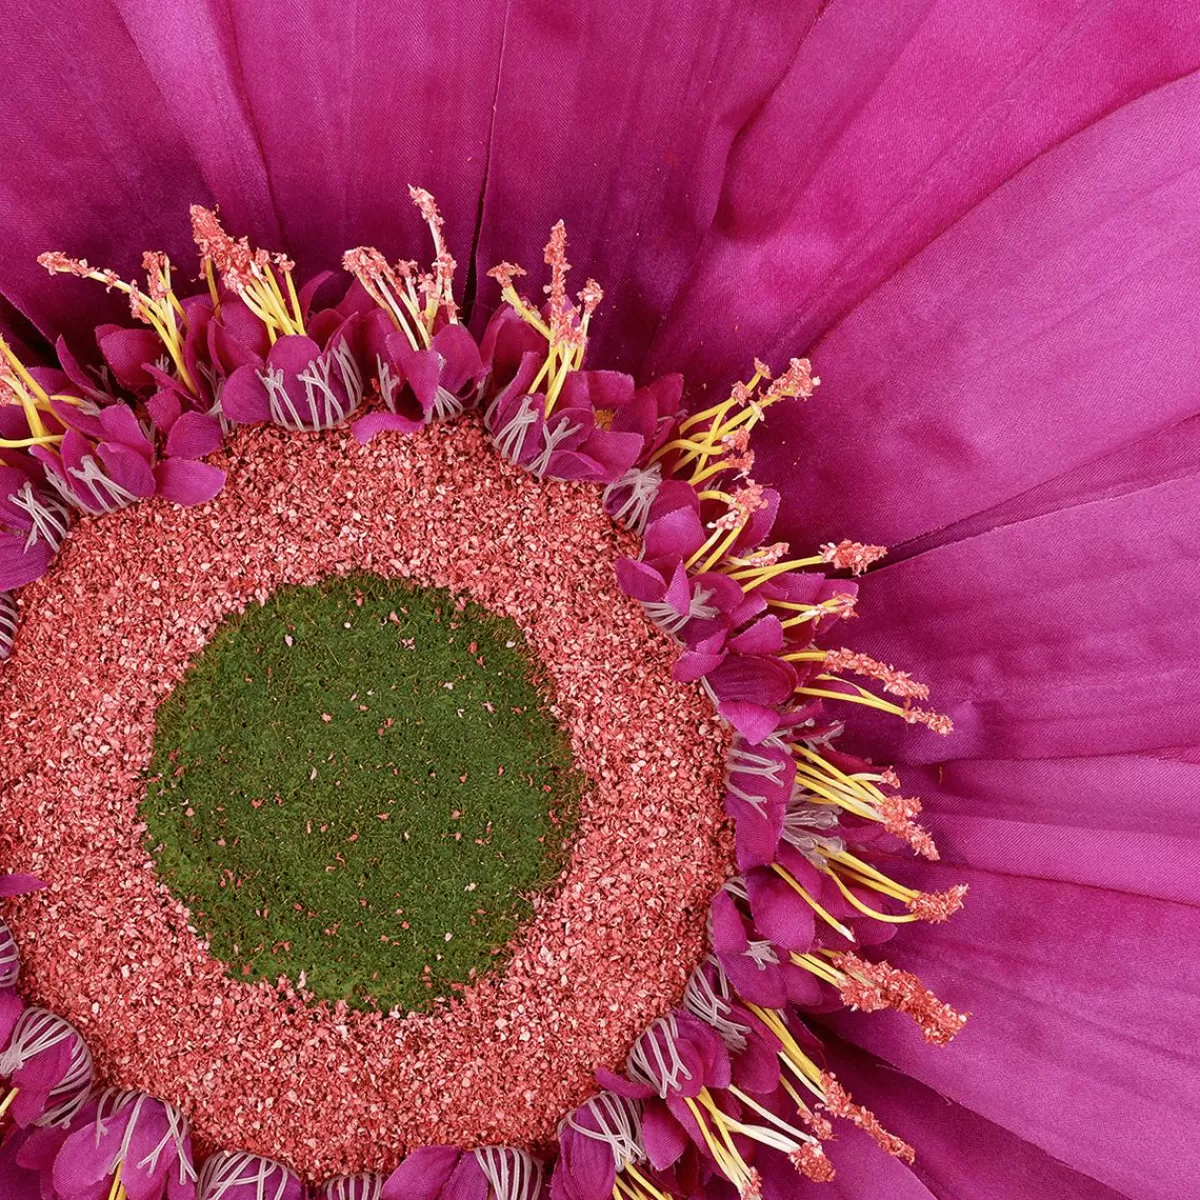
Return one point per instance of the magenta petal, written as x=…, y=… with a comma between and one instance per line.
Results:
x=127, y=350
x=752, y=721
x=1083, y=1053
x=164, y=408
x=244, y=397
x=1031, y=284
x=584, y=1170
x=765, y=636
x=467, y=1181
x=422, y=1174
x=1100, y=664
x=83, y=1161
x=638, y=203
x=664, y=1138
x=118, y=424
x=365, y=428
x=127, y=468
x=463, y=365
x=194, y=435
x=961, y=1153
x=780, y=914
x=19, y=566
x=17, y=883
x=186, y=482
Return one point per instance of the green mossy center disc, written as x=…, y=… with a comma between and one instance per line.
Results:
x=358, y=787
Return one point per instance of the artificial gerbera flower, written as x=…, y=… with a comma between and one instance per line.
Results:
x=978, y=226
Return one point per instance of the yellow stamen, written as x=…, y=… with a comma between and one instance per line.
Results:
x=647, y=1185
x=866, y=909
x=805, y=1069
x=818, y=968
x=861, y=696
x=4, y=1104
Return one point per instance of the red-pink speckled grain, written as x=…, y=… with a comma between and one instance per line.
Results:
x=110, y=631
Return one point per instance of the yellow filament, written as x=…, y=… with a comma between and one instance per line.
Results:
x=797, y=1099
x=645, y=1183
x=787, y=877
x=294, y=298
x=118, y=1188
x=807, y=1071
x=726, y=1155
x=528, y=315
x=12, y=1095
x=863, y=697
x=867, y=782
x=29, y=394
x=752, y=577
x=884, y=882
x=556, y=383
x=820, y=969
x=623, y=1190
x=211, y=277
x=47, y=439
x=866, y=909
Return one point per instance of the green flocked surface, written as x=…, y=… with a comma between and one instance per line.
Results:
x=338, y=805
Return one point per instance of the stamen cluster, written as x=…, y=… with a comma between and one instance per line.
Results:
x=734, y=1075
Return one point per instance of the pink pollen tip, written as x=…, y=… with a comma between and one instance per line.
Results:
x=505, y=273
x=426, y=203
x=851, y=556
x=813, y=1163
x=898, y=683
x=873, y=986
x=938, y=722
x=838, y=1101
x=937, y=907
x=57, y=263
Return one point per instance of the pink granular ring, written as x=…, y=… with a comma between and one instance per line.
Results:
x=110, y=631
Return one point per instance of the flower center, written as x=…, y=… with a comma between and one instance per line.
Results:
x=356, y=786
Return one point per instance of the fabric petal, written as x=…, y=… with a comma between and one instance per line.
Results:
x=186, y=482
x=1069, y=634
x=657, y=96
x=1084, y=1028
x=194, y=435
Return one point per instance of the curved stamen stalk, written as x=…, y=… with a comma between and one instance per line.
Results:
x=845, y=868
x=938, y=722
x=872, y=987
x=717, y=438
x=157, y=307
x=812, y=902
x=709, y=997
x=859, y=794
x=252, y=275
x=565, y=326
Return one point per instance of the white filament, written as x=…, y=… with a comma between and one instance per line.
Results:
x=366, y=1186
x=655, y=1060
x=230, y=1169
x=552, y=437
x=8, y=628
x=176, y=1132
x=643, y=484
x=512, y=1174
x=48, y=518
x=37, y=1031
x=712, y=1005
x=618, y=1124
